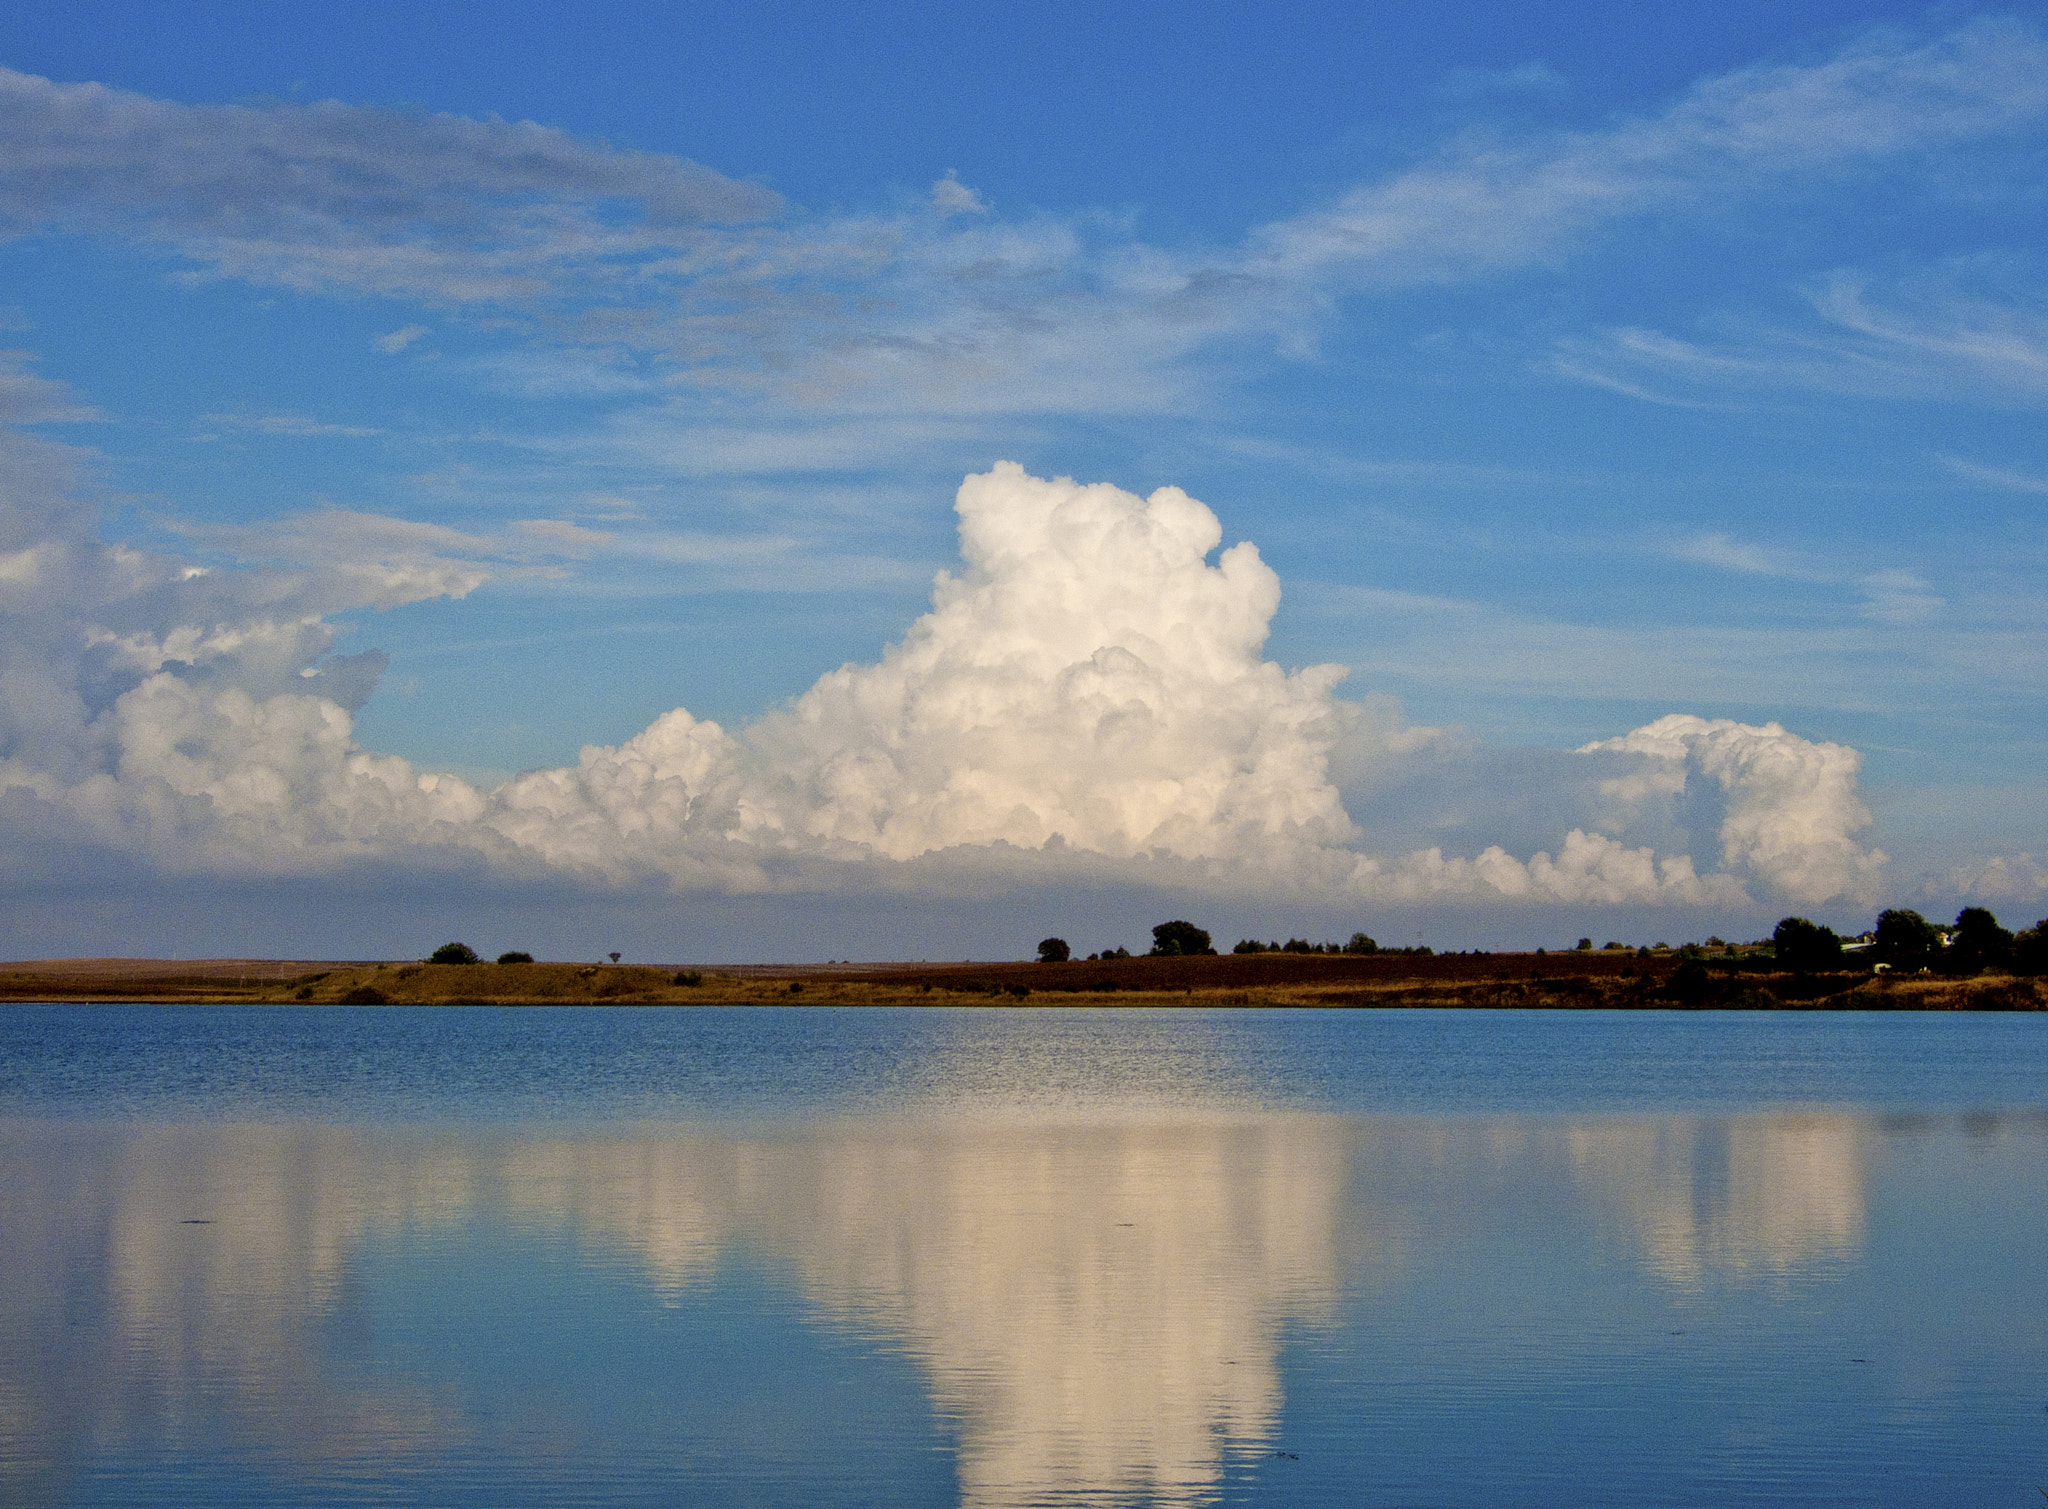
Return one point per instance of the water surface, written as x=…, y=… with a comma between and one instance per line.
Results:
x=1007, y=1258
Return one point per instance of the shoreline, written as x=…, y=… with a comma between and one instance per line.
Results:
x=1552, y=980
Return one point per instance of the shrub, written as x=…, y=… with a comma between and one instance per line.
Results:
x=1053, y=951
x=452, y=953
x=515, y=957
x=1249, y=946
x=1690, y=984
x=1171, y=939
x=688, y=977
x=1585, y=945
x=1805, y=947
x=365, y=995
x=796, y=987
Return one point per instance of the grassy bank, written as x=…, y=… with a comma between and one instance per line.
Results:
x=1449, y=980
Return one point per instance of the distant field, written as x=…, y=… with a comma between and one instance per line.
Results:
x=1511, y=980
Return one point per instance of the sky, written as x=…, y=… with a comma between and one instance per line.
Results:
x=897, y=481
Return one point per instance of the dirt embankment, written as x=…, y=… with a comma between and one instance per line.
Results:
x=1498, y=980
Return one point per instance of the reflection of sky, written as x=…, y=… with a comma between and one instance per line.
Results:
x=1075, y=1308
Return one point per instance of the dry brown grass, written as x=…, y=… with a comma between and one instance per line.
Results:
x=1454, y=980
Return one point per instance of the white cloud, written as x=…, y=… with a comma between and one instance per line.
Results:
x=284, y=424
x=952, y=197
x=1538, y=78
x=1085, y=700
x=1722, y=550
x=2004, y=478
x=342, y=196
x=1788, y=807
x=947, y=313
x=1973, y=330
x=2001, y=877
x=1900, y=597
x=28, y=399
x=1488, y=206
x=399, y=339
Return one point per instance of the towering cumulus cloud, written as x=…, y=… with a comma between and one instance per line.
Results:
x=1086, y=695
x=1089, y=680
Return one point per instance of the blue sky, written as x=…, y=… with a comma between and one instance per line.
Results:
x=1571, y=369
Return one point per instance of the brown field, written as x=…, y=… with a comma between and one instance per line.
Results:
x=1513, y=980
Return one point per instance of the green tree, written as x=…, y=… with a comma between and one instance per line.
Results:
x=2030, y=950
x=452, y=953
x=1905, y=940
x=1806, y=947
x=1053, y=951
x=1977, y=943
x=1177, y=937
x=1361, y=944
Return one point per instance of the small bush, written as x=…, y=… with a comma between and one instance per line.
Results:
x=796, y=987
x=452, y=953
x=687, y=977
x=515, y=957
x=1690, y=984
x=365, y=995
x=1018, y=990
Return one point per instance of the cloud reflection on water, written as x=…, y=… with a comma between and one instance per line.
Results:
x=1098, y=1309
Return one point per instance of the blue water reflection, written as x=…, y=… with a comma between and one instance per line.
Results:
x=1114, y=1265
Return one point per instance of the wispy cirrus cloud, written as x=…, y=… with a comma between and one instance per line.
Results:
x=947, y=308
x=293, y=425
x=2002, y=477
x=1974, y=330
x=346, y=197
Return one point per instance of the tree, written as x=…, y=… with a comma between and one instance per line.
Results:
x=2030, y=950
x=1585, y=945
x=1905, y=940
x=1177, y=937
x=452, y=953
x=1053, y=951
x=515, y=957
x=1806, y=947
x=1360, y=944
x=1977, y=943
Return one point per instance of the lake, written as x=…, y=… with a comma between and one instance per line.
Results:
x=1011, y=1257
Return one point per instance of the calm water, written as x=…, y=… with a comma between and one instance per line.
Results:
x=1007, y=1258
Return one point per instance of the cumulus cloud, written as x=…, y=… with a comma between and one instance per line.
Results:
x=1784, y=809
x=1086, y=699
